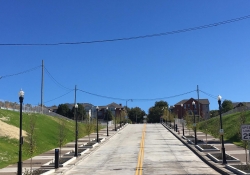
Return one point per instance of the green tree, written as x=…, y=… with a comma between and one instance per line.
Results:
x=214, y=113
x=63, y=109
x=31, y=144
x=155, y=112
x=109, y=115
x=136, y=114
x=89, y=127
x=227, y=105
x=61, y=134
x=80, y=114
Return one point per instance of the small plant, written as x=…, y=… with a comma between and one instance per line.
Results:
x=89, y=127
x=61, y=134
x=31, y=139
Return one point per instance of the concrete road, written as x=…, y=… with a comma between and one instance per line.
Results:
x=147, y=149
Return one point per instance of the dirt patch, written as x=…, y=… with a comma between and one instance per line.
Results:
x=10, y=131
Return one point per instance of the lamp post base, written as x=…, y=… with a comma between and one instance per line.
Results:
x=19, y=170
x=224, y=160
x=76, y=151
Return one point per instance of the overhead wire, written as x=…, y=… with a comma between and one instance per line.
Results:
x=56, y=82
x=59, y=96
x=210, y=95
x=134, y=37
x=19, y=73
x=134, y=99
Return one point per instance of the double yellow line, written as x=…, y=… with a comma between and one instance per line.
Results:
x=141, y=153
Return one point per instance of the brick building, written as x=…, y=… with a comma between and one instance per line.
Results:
x=188, y=107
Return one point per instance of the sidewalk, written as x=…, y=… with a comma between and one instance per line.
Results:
x=230, y=148
x=42, y=161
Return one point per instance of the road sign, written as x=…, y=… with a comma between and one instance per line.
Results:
x=245, y=132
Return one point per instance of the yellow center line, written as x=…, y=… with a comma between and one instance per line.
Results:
x=141, y=153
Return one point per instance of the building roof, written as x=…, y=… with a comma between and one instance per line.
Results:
x=238, y=104
x=202, y=101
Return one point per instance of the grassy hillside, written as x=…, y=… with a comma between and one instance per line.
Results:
x=231, y=125
x=46, y=132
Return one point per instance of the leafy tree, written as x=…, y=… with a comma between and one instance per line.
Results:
x=63, y=109
x=80, y=114
x=31, y=144
x=227, y=105
x=109, y=115
x=161, y=104
x=136, y=114
x=89, y=127
x=214, y=113
x=61, y=134
x=156, y=111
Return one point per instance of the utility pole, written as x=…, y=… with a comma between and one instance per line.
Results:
x=42, y=87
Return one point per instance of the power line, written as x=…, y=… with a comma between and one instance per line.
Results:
x=136, y=37
x=23, y=72
x=58, y=97
x=162, y=98
x=114, y=98
x=210, y=95
x=56, y=82
x=122, y=99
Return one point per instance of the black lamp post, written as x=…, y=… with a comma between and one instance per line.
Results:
x=76, y=134
x=169, y=115
x=174, y=119
x=21, y=97
x=127, y=108
x=195, y=137
x=107, y=121
x=224, y=161
x=120, y=119
x=115, y=120
x=97, y=136
x=182, y=120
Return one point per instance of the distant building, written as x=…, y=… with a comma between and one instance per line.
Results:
x=91, y=109
x=203, y=104
x=240, y=104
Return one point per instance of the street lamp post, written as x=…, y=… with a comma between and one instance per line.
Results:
x=76, y=134
x=182, y=119
x=21, y=97
x=224, y=161
x=195, y=137
x=174, y=119
x=120, y=119
x=127, y=107
x=97, y=136
x=107, y=121
x=115, y=120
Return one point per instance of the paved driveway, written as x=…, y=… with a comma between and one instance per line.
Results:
x=141, y=149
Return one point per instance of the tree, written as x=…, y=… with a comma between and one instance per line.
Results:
x=136, y=114
x=227, y=105
x=63, y=109
x=108, y=115
x=214, y=113
x=61, y=134
x=80, y=114
x=89, y=127
x=156, y=111
x=31, y=145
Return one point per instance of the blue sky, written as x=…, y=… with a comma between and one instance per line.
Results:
x=216, y=59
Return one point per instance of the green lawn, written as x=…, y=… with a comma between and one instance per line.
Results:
x=46, y=132
x=231, y=125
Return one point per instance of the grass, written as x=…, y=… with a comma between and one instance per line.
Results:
x=231, y=126
x=46, y=133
